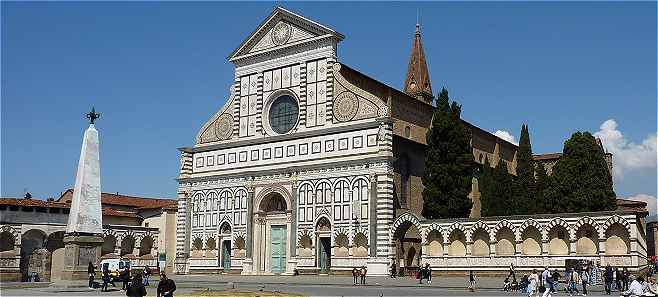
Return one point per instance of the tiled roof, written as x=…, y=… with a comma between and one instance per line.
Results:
x=125, y=200
x=48, y=204
x=32, y=202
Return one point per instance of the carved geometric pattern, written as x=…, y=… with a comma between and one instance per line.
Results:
x=616, y=219
x=345, y=106
x=224, y=126
x=281, y=33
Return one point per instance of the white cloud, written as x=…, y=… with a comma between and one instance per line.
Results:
x=652, y=205
x=506, y=136
x=627, y=155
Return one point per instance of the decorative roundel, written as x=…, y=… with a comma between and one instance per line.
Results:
x=346, y=106
x=281, y=33
x=224, y=126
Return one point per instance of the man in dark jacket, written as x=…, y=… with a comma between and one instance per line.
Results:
x=166, y=287
x=91, y=271
x=136, y=288
x=125, y=278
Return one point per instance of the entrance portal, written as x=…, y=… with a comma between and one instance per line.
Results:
x=278, y=248
x=226, y=255
x=324, y=252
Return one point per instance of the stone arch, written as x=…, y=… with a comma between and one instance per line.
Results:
x=437, y=228
x=280, y=190
x=127, y=244
x=240, y=246
x=305, y=240
x=456, y=240
x=434, y=241
x=455, y=226
x=109, y=244
x=479, y=225
x=617, y=240
x=616, y=220
x=360, y=246
x=31, y=241
x=357, y=179
x=531, y=239
x=588, y=221
x=225, y=228
x=501, y=225
x=274, y=202
x=559, y=222
x=480, y=239
x=322, y=223
x=587, y=237
x=558, y=236
x=406, y=234
x=341, y=245
x=531, y=222
x=145, y=246
x=505, y=240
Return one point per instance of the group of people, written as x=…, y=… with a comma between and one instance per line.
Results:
x=359, y=273
x=133, y=284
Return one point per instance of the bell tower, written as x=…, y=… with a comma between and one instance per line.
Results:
x=418, y=84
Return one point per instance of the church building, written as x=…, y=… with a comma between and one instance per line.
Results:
x=314, y=166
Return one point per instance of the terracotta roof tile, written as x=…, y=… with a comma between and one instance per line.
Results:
x=125, y=200
x=544, y=157
x=47, y=204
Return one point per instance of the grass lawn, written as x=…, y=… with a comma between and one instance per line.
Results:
x=237, y=293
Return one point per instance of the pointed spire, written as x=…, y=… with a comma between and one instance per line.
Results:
x=418, y=84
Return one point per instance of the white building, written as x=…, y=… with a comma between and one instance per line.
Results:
x=312, y=165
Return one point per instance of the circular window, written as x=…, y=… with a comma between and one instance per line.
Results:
x=283, y=114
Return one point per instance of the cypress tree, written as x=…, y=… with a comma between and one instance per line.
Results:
x=485, y=183
x=525, y=200
x=448, y=163
x=502, y=191
x=580, y=181
x=541, y=185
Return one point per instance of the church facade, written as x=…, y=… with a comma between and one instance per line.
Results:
x=312, y=165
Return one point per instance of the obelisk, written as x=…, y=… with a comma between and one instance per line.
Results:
x=84, y=232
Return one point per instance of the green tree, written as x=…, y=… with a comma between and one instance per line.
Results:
x=502, y=191
x=580, y=181
x=448, y=163
x=541, y=185
x=525, y=193
x=485, y=183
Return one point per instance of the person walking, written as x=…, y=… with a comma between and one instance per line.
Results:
x=125, y=278
x=471, y=281
x=355, y=275
x=533, y=283
x=574, y=279
x=364, y=271
x=428, y=271
x=147, y=275
x=106, y=278
x=394, y=272
x=607, y=279
x=626, y=275
x=166, y=286
x=584, y=278
x=91, y=270
x=618, y=278
x=136, y=288
x=556, y=281
x=511, y=271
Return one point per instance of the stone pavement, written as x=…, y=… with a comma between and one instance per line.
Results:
x=311, y=285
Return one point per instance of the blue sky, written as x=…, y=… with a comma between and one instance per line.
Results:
x=156, y=71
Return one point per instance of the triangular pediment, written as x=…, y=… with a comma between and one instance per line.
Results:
x=281, y=29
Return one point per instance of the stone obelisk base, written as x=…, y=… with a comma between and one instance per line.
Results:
x=79, y=251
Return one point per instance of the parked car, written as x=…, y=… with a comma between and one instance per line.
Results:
x=115, y=266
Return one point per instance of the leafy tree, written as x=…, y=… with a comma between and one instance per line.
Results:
x=525, y=193
x=485, y=183
x=448, y=163
x=580, y=181
x=541, y=185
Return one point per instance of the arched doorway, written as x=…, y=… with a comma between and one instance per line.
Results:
x=30, y=241
x=323, y=236
x=271, y=234
x=55, y=245
x=407, y=246
x=225, y=242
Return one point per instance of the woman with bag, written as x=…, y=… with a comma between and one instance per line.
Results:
x=471, y=281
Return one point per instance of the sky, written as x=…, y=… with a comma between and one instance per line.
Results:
x=156, y=71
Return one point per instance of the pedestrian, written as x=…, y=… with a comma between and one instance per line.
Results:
x=136, y=288
x=546, y=278
x=125, y=278
x=533, y=283
x=584, y=278
x=428, y=271
x=355, y=275
x=652, y=287
x=420, y=274
x=394, y=272
x=511, y=271
x=166, y=286
x=574, y=279
x=607, y=279
x=618, y=278
x=471, y=281
x=106, y=278
x=626, y=275
x=364, y=271
x=91, y=270
x=635, y=289
x=556, y=281
x=147, y=275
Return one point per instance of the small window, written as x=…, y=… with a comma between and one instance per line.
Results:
x=407, y=131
